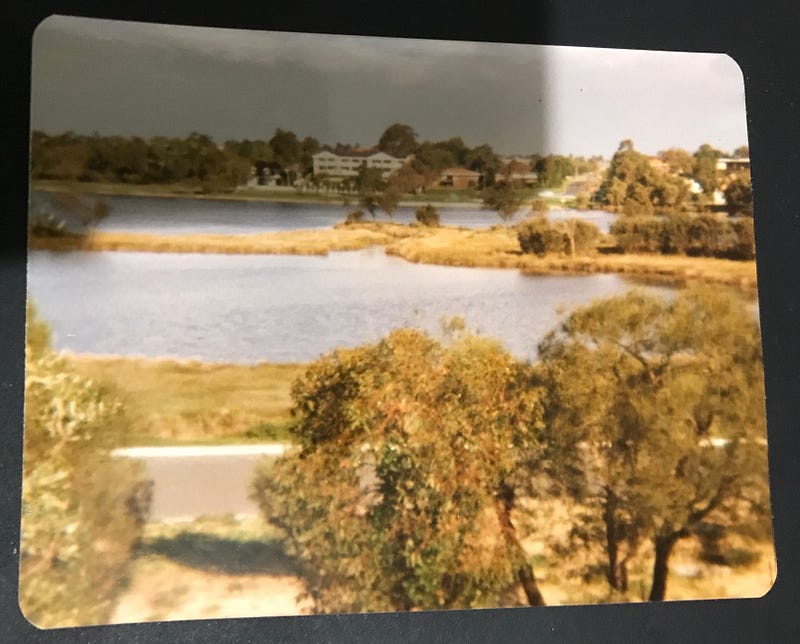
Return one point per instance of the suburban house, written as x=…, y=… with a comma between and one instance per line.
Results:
x=459, y=178
x=517, y=171
x=346, y=163
x=733, y=165
x=525, y=178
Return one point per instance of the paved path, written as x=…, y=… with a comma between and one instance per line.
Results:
x=192, y=481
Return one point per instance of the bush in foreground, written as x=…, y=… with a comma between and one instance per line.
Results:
x=420, y=466
x=82, y=510
x=411, y=456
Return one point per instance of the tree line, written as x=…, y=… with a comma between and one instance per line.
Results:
x=633, y=185
x=421, y=464
x=197, y=159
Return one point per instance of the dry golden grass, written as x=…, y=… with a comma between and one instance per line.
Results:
x=176, y=401
x=499, y=248
x=294, y=242
x=495, y=247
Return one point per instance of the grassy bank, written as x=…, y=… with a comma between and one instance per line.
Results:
x=173, y=402
x=290, y=242
x=496, y=247
x=442, y=198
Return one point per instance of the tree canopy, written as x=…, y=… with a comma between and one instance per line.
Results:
x=411, y=456
x=633, y=186
x=419, y=464
x=399, y=140
x=655, y=416
x=502, y=198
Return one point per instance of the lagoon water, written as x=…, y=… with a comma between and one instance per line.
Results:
x=279, y=308
x=285, y=308
x=179, y=216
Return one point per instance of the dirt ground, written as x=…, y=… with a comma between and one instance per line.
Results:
x=236, y=567
x=209, y=569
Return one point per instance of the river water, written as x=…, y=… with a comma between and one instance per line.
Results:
x=285, y=308
x=179, y=216
x=279, y=308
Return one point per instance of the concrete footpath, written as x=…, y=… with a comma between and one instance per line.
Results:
x=195, y=480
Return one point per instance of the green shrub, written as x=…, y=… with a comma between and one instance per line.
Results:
x=427, y=215
x=704, y=234
x=745, y=245
x=638, y=234
x=404, y=475
x=354, y=217
x=83, y=511
x=540, y=236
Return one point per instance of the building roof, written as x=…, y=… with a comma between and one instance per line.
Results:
x=459, y=172
x=355, y=152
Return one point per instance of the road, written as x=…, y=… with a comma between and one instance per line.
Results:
x=194, y=481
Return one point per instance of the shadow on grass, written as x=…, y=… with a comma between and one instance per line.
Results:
x=222, y=555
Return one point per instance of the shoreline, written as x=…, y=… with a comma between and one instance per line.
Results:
x=444, y=246
x=127, y=190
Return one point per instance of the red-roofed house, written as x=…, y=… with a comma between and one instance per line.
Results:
x=459, y=178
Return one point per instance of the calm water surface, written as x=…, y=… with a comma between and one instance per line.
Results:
x=186, y=216
x=284, y=308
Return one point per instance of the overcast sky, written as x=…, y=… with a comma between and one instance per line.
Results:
x=140, y=79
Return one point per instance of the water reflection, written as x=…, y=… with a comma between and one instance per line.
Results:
x=284, y=308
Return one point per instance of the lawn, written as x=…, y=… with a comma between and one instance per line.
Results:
x=172, y=402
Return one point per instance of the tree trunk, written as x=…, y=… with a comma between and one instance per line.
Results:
x=616, y=573
x=663, y=548
x=504, y=502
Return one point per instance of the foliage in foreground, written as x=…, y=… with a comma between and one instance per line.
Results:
x=655, y=419
x=420, y=465
x=82, y=511
x=411, y=456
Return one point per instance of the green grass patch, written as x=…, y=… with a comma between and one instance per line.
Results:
x=172, y=402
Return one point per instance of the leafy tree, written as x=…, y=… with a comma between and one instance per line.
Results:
x=503, y=198
x=540, y=236
x=388, y=200
x=82, y=510
x=655, y=422
x=398, y=140
x=429, y=161
x=228, y=171
x=408, y=180
x=427, y=215
x=705, y=167
x=354, y=217
x=635, y=187
x=402, y=492
x=741, y=151
x=369, y=183
x=739, y=197
x=679, y=161
x=310, y=147
x=287, y=152
x=77, y=216
x=484, y=160
x=553, y=169
x=457, y=149
x=705, y=234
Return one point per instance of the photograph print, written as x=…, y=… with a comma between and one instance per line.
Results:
x=347, y=324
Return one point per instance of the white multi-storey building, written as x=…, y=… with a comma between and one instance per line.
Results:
x=347, y=165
